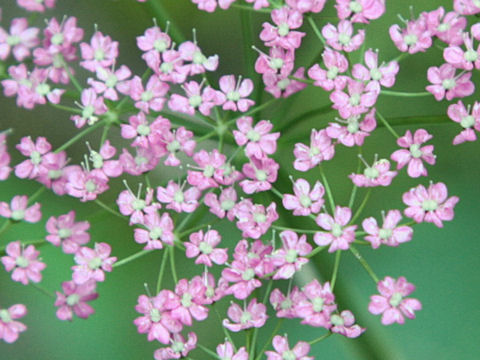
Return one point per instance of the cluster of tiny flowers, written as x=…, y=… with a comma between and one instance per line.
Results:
x=43, y=64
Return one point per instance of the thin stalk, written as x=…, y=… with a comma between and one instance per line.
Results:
x=387, y=125
x=353, y=194
x=249, y=8
x=77, y=137
x=276, y=192
x=320, y=338
x=362, y=206
x=316, y=251
x=66, y=108
x=172, y=264
x=304, y=116
x=225, y=330
x=72, y=78
x=42, y=290
x=364, y=263
x=327, y=189
x=5, y=226
x=162, y=270
x=405, y=94
x=206, y=136
x=253, y=111
x=305, y=81
x=131, y=258
x=267, y=343
x=296, y=230
x=316, y=30
x=104, y=134
x=36, y=194
x=109, y=209
x=162, y=14
x=208, y=351
x=338, y=255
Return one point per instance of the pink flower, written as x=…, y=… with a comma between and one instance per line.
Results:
x=5, y=169
x=289, y=258
x=177, y=199
x=203, y=247
x=430, y=205
x=92, y=106
x=466, y=7
x=360, y=10
x=262, y=172
x=318, y=305
x=305, y=6
x=279, y=61
x=378, y=174
x=92, y=263
x=31, y=168
x=18, y=210
x=258, y=139
x=179, y=347
x=339, y=235
x=415, y=153
x=152, y=96
x=111, y=82
x=414, y=38
x=210, y=164
x=447, y=84
x=74, y=300
x=355, y=98
x=340, y=38
x=468, y=119
x=86, y=185
x=23, y=262
x=463, y=59
x=282, y=350
x=281, y=85
x=282, y=35
x=189, y=51
x=177, y=140
x=20, y=40
x=236, y=93
x=392, y=302
x=156, y=319
x=143, y=132
x=254, y=220
x=254, y=315
x=158, y=230
x=384, y=74
x=101, y=52
x=344, y=324
x=154, y=40
x=223, y=204
x=447, y=27
x=354, y=132
x=191, y=298
x=9, y=327
x=285, y=306
x=226, y=351
x=389, y=234
x=196, y=99
x=35, y=5
x=65, y=231
x=134, y=206
x=320, y=149
x=304, y=202
x=329, y=79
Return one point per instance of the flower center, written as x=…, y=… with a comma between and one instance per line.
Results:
x=448, y=84
x=57, y=39
x=208, y=171
x=410, y=39
x=141, y=160
x=259, y=218
x=195, y=100
x=54, y=174
x=415, y=151
x=337, y=320
x=276, y=63
x=155, y=315
x=90, y=186
x=146, y=96
x=174, y=146
x=187, y=300
x=332, y=72
x=178, y=347
x=88, y=111
x=261, y=175
x=385, y=233
x=166, y=67
x=21, y=262
x=13, y=40
x=289, y=355
x=371, y=173
x=5, y=316
x=160, y=45
x=429, y=205
x=205, y=248
x=138, y=204
x=199, y=58
x=443, y=27
x=155, y=233
x=396, y=299
x=467, y=121
x=283, y=84
x=355, y=6
x=314, y=151
x=227, y=205
x=64, y=233
x=35, y=157
x=376, y=74
x=99, y=54
x=337, y=230
x=317, y=304
x=18, y=215
x=233, y=96
x=95, y=263
x=143, y=129
x=353, y=126
x=253, y=135
x=283, y=29
x=286, y=304
x=291, y=256
x=43, y=89
x=246, y=317
x=305, y=201
x=111, y=81
x=179, y=197
x=73, y=299
x=344, y=39
x=470, y=55
x=355, y=99
x=248, y=275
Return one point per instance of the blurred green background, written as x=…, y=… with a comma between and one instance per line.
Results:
x=442, y=263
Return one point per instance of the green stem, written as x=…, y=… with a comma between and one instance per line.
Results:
x=338, y=255
x=316, y=30
x=267, y=343
x=131, y=258
x=353, y=194
x=320, y=338
x=276, y=192
x=195, y=228
x=206, y=136
x=66, y=108
x=296, y=230
x=405, y=94
x=36, y=194
x=104, y=134
x=208, y=351
x=77, y=137
x=304, y=116
x=387, y=125
x=327, y=189
x=172, y=264
x=109, y=209
x=249, y=8
x=305, y=81
x=364, y=263
x=42, y=290
x=401, y=57
x=162, y=15
x=225, y=330
x=162, y=270
x=253, y=111
x=72, y=78
x=5, y=226
x=316, y=251
x=362, y=206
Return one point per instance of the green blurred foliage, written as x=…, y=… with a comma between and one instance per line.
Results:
x=442, y=263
